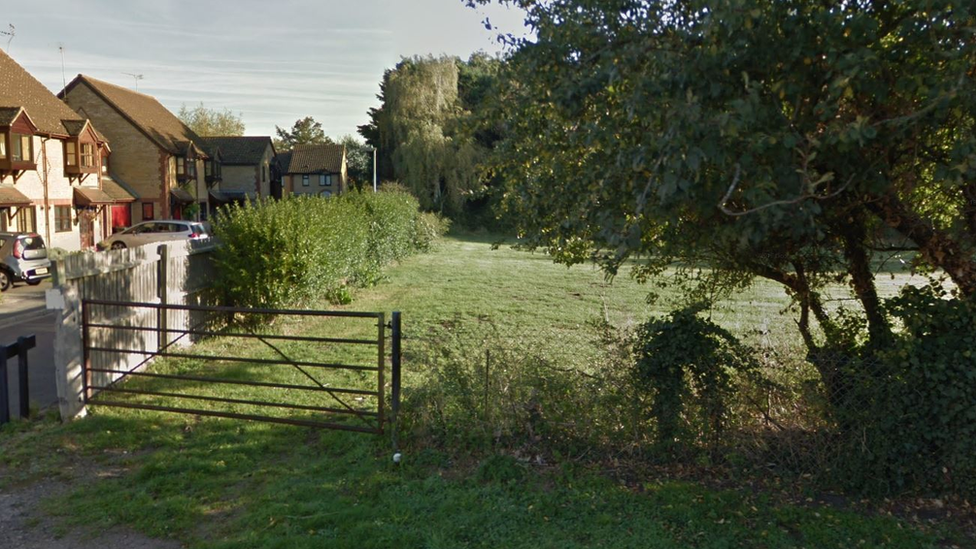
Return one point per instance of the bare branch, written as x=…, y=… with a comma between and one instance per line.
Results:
x=809, y=196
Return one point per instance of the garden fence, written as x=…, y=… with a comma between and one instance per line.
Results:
x=176, y=272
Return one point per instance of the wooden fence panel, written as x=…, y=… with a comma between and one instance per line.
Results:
x=174, y=272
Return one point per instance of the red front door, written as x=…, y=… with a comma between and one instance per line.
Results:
x=121, y=217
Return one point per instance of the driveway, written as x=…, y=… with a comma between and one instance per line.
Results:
x=22, y=313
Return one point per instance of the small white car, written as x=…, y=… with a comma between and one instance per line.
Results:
x=149, y=232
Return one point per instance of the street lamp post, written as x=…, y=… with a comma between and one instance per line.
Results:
x=374, y=169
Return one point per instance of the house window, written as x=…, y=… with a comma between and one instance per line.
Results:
x=104, y=164
x=71, y=153
x=147, y=211
x=26, y=220
x=191, y=167
x=87, y=155
x=264, y=174
x=208, y=168
x=20, y=148
x=305, y=180
x=325, y=180
x=62, y=219
x=3, y=145
x=180, y=166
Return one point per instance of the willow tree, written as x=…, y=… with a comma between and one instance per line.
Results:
x=786, y=139
x=418, y=131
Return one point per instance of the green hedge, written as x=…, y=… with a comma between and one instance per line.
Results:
x=301, y=249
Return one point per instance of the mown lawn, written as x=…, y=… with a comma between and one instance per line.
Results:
x=225, y=483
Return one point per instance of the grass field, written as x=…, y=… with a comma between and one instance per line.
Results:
x=224, y=483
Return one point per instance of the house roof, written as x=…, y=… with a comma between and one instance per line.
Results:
x=240, y=150
x=180, y=195
x=9, y=196
x=284, y=159
x=18, y=89
x=145, y=113
x=8, y=115
x=92, y=196
x=226, y=197
x=118, y=190
x=313, y=159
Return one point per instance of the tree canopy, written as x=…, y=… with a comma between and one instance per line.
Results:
x=305, y=131
x=359, y=161
x=212, y=122
x=790, y=140
x=425, y=132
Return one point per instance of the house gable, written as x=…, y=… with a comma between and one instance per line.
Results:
x=136, y=157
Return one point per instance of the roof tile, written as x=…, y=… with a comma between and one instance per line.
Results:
x=19, y=89
x=313, y=159
x=240, y=150
x=146, y=113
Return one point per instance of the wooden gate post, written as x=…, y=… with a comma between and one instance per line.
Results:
x=162, y=284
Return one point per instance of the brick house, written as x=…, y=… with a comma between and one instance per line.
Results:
x=314, y=169
x=155, y=154
x=247, y=169
x=51, y=166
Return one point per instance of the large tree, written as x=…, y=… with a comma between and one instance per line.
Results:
x=421, y=134
x=212, y=122
x=359, y=161
x=305, y=131
x=785, y=139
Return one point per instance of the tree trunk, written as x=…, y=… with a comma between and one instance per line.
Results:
x=935, y=246
x=862, y=281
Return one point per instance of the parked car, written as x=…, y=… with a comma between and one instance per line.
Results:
x=23, y=258
x=149, y=232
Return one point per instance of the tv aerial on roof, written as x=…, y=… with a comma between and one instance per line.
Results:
x=137, y=78
x=11, y=33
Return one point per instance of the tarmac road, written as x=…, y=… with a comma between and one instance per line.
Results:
x=22, y=313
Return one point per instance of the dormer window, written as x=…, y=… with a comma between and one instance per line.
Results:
x=21, y=148
x=87, y=155
x=104, y=163
x=79, y=158
x=17, y=145
x=186, y=167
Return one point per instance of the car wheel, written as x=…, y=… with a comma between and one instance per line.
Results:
x=118, y=245
x=34, y=282
x=5, y=281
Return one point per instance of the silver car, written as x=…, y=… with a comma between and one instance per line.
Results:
x=23, y=258
x=149, y=232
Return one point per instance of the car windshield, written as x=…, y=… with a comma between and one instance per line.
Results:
x=32, y=242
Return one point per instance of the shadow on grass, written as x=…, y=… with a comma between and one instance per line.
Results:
x=219, y=483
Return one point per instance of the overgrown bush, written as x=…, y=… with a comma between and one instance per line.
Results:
x=911, y=417
x=286, y=252
x=429, y=227
x=688, y=364
x=479, y=391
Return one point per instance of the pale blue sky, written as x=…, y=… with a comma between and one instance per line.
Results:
x=273, y=61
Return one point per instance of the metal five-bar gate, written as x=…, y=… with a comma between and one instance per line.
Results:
x=251, y=364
